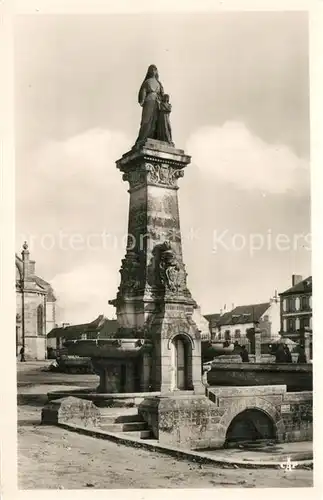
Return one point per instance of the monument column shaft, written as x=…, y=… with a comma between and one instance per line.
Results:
x=153, y=300
x=153, y=218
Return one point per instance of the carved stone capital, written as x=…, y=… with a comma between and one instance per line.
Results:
x=162, y=174
x=153, y=173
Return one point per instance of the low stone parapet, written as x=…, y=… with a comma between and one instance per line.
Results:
x=72, y=411
x=189, y=422
x=198, y=422
x=297, y=377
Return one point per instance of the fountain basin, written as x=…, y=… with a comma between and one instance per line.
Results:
x=123, y=365
x=297, y=377
x=108, y=348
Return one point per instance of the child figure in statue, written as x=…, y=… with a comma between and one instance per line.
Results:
x=164, y=130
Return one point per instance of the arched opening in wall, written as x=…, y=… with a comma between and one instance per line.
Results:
x=40, y=319
x=250, y=426
x=181, y=354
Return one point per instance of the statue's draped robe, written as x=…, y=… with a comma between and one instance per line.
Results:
x=164, y=130
x=149, y=98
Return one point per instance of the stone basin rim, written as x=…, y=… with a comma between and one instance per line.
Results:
x=113, y=341
x=261, y=367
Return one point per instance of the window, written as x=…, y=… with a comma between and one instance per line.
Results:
x=266, y=318
x=290, y=304
x=305, y=303
x=290, y=324
x=40, y=319
x=237, y=334
x=304, y=322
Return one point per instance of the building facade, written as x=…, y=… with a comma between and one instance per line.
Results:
x=202, y=324
x=35, y=308
x=234, y=325
x=296, y=308
x=100, y=328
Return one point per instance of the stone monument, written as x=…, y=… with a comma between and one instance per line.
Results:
x=153, y=301
x=157, y=347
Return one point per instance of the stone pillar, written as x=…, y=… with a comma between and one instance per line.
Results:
x=145, y=379
x=109, y=373
x=153, y=296
x=257, y=346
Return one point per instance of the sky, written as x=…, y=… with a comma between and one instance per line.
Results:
x=239, y=88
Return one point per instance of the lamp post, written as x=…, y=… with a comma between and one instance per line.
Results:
x=25, y=270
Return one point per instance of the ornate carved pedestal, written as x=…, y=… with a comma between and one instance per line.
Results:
x=153, y=300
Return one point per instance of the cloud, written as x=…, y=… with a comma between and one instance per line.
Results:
x=74, y=166
x=75, y=186
x=233, y=155
x=83, y=293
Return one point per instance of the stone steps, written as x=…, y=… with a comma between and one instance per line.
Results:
x=124, y=422
x=123, y=427
x=119, y=419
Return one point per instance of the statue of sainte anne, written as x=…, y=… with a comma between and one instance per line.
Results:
x=155, y=123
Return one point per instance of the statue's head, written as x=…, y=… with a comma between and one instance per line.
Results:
x=152, y=72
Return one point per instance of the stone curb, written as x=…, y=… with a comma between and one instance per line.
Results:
x=193, y=456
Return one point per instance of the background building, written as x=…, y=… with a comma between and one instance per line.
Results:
x=234, y=325
x=202, y=324
x=35, y=308
x=100, y=328
x=296, y=308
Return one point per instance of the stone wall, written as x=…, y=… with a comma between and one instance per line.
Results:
x=196, y=422
x=189, y=422
x=297, y=413
x=35, y=345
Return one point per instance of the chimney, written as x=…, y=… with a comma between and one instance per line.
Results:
x=32, y=267
x=296, y=278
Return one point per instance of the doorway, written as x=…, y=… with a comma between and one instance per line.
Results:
x=180, y=362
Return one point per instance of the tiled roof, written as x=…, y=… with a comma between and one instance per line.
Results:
x=301, y=287
x=243, y=314
x=102, y=326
